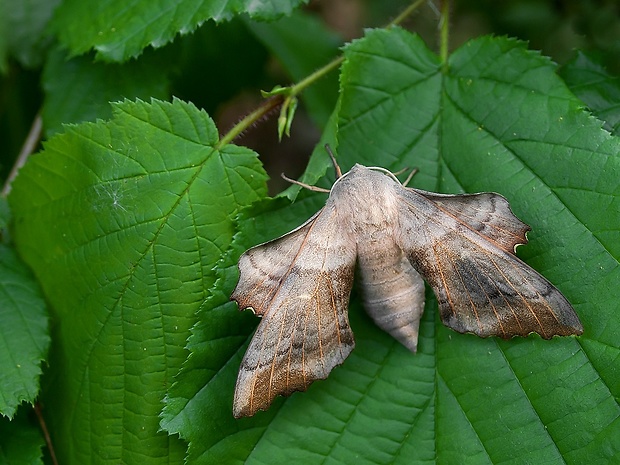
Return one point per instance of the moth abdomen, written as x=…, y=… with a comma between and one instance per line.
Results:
x=393, y=293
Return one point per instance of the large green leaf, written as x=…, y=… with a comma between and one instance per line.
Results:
x=79, y=90
x=24, y=333
x=199, y=406
x=500, y=120
x=118, y=30
x=495, y=118
x=122, y=223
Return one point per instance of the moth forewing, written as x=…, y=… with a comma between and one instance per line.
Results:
x=487, y=213
x=300, y=284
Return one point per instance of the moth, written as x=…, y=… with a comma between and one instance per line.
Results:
x=463, y=246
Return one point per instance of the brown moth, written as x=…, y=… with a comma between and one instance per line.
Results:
x=461, y=245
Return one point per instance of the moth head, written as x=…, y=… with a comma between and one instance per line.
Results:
x=363, y=171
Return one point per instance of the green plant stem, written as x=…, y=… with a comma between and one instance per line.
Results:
x=406, y=13
x=267, y=106
x=296, y=89
x=30, y=144
x=319, y=73
x=46, y=434
x=444, y=24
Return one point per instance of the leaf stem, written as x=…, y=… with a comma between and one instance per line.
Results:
x=33, y=138
x=285, y=99
x=319, y=73
x=267, y=106
x=406, y=13
x=444, y=29
x=46, y=434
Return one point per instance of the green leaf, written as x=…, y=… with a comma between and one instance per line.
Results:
x=21, y=440
x=498, y=119
x=4, y=37
x=123, y=222
x=287, y=114
x=319, y=163
x=598, y=89
x=199, y=405
x=24, y=333
x=24, y=29
x=118, y=31
x=78, y=90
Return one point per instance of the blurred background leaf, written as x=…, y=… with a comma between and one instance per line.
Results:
x=118, y=30
x=21, y=441
x=596, y=87
x=79, y=90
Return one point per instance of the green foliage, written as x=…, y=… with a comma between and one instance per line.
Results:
x=132, y=220
x=461, y=142
x=142, y=230
x=285, y=38
x=78, y=90
x=23, y=24
x=118, y=30
x=21, y=441
x=24, y=333
x=596, y=87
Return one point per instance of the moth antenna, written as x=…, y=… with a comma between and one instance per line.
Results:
x=401, y=171
x=410, y=177
x=331, y=155
x=304, y=185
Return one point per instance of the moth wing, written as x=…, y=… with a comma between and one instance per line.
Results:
x=487, y=213
x=481, y=286
x=300, y=284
